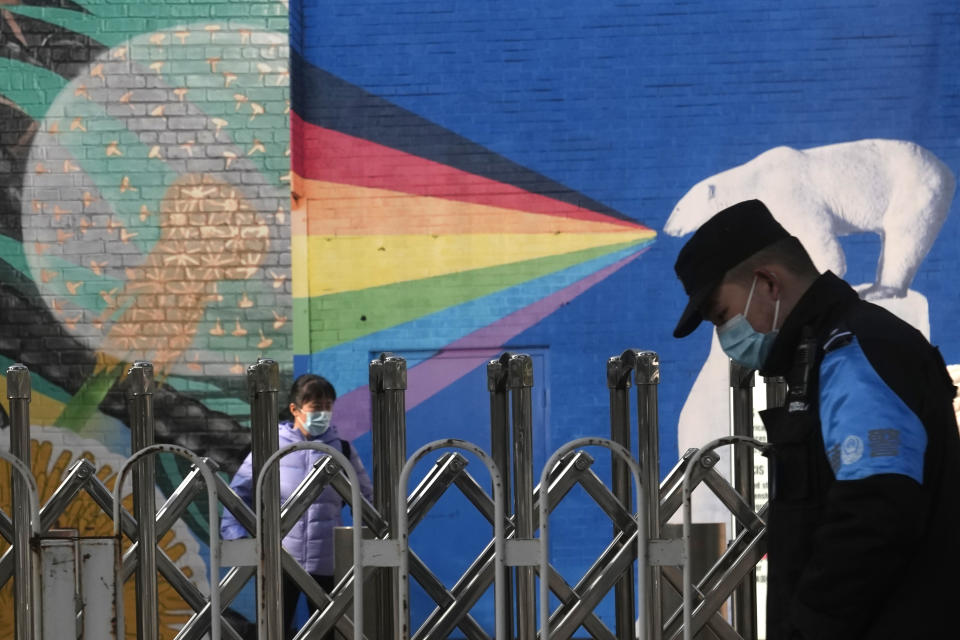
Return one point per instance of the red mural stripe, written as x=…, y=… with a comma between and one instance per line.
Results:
x=323, y=154
x=346, y=209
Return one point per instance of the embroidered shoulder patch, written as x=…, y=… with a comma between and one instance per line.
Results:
x=851, y=450
x=884, y=442
x=867, y=429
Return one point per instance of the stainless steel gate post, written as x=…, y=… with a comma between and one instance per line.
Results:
x=703, y=603
x=647, y=379
x=395, y=423
x=499, y=536
x=745, y=597
x=520, y=381
x=356, y=503
x=497, y=373
x=263, y=385
x=388, y=385
x=140, y=396
x=619, y=369
x=383, y=589
x=18, y=396
x=567, y=625
x=213, y=515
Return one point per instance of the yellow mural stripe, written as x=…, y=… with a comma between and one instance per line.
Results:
x=338, y=209
x=44, y=410
x=300, y=272
x=351, y=263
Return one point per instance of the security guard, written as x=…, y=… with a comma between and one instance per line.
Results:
x=863, y=535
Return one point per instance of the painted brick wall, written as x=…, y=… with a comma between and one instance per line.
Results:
x=144, y=214
x=145, y=170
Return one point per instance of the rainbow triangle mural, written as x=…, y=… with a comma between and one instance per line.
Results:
x=408, y=236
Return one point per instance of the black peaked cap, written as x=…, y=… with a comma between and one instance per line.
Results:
x=724, y=241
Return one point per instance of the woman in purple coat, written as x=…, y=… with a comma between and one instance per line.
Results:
x=310, y=541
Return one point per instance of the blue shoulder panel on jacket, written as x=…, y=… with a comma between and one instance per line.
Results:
x=867, y=429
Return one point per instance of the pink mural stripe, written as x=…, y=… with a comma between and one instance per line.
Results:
x=438, y=372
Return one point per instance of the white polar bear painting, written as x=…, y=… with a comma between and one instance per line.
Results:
x=893, y=188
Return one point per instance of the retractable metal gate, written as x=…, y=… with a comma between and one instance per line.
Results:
x=639, y=565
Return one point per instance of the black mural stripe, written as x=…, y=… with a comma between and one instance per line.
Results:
x=56, y=4
x=335, y=104
x=16, y=135
x=49, y=46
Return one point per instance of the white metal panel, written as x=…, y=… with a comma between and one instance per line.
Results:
x=98, y=560
x=241, y=552
x=58, y=575
x=522, y=552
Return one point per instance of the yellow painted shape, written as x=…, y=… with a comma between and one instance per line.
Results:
x=351, y=263
x=44, y=410
x=338, y=209
x=300, y=268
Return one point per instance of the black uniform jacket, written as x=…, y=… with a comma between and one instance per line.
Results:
x=864, y=518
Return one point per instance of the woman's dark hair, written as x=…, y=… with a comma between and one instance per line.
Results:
x=306, y=389
x=309, y=388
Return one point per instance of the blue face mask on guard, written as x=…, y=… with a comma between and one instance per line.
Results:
x=317, y=422
x=739, y=340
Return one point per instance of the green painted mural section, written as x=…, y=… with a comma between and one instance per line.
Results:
x=114, y=22
x=394, y=304
x=29, y=87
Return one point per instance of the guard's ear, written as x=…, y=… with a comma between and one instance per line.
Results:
x=769, y=281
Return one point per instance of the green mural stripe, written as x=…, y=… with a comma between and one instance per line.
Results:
x=12, y=252
x=195, y=385
x=214, y=396
x=182, y=13
x=338, y=315
x=87, y=292
x=86, y=401
x=110, y=23
x=33, y=92
x=250, y=105
x=117, y=163
x=246, y=112
x=252, y=102
x=88, y=285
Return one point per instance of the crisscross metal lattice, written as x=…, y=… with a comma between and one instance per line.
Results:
x=639, y=565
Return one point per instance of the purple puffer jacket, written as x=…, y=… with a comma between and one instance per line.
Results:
x=310, y=541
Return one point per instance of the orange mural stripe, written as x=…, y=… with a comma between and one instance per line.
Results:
x=339, y=209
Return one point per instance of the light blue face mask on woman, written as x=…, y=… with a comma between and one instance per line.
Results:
x=317, y=422
x=739, y=340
